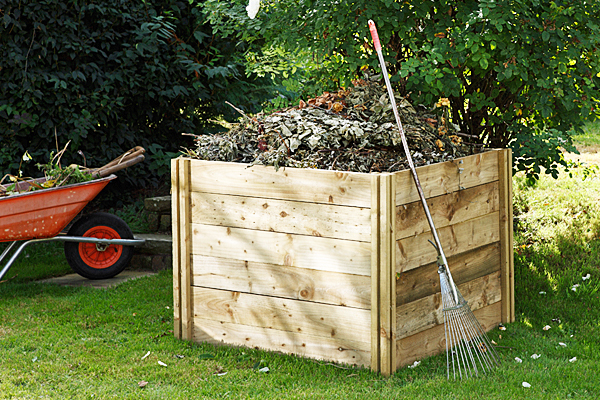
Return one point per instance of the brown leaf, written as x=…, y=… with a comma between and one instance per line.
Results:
x=142, y=384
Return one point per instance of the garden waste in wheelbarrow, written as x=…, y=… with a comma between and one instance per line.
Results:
x=97, y=246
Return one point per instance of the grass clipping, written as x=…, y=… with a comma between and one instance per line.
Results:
x=351, y=130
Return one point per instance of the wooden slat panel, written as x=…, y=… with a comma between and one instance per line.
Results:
x=443, y=178
x=433, y=341
x=281, y=281
x=311, y=252
x=288, y=315
x=425, y=281
x=447, y=210
x=426, y=312
x=415, y=251
x=330, y=349
x=352, y=223
x=318, y=186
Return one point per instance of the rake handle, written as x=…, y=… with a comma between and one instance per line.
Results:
x=438, y=244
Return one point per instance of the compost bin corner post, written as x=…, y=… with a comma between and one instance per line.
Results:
x=180, y=200
x=383, y=267
x=506, y=234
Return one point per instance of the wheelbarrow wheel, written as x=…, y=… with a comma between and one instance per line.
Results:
x=97, y=261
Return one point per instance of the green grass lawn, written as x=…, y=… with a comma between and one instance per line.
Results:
x=590, y=137
x=58, y=342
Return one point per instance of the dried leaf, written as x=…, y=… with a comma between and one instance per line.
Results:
x=526, y=385
x=162, y=364
x=142, y=384
x=145, y=355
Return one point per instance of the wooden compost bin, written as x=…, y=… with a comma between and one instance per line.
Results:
x=337, y=265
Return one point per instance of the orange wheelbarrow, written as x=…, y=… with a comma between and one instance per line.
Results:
x=97, y=246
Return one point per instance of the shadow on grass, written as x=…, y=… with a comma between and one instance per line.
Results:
x=549, y=282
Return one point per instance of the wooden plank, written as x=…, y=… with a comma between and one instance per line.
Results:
x=185, y=248
x=446, y=210
x=425, y=313
x=375, y=274
x=287, y=315
x=506, y=234
x=321, y=348
x=433, y=341
x=310, y=252
x=442, y=178
x=323, y=220
x=282, y=281
x=425, y=281
x=310, y=185
x=387, y=297
x=175, y=211
x=412, y=252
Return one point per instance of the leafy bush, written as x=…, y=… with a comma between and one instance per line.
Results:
x=518, y=73
x=111, y=75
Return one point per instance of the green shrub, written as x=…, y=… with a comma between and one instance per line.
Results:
x=111, y=75
x=523, y=74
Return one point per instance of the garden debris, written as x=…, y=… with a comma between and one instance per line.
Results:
x=562, y=344
x=352, y=129
x=573, y=359
x=588, y=276
x=526, y=384
x=536, y=356
x=517, y=359
x=162, y=364
x=142, y=384
x=55, y=175
x=145, y=355
x=547, y=327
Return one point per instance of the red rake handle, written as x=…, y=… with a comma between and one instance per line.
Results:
x=374, y=35
x=388, y=85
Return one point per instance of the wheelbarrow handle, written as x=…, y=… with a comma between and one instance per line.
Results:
x=104, y=171
x=133, y=153
x=125, y=160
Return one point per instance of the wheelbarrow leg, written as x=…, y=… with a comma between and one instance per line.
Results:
x=14, y=256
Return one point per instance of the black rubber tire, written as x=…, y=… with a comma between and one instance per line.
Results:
x=87, y=259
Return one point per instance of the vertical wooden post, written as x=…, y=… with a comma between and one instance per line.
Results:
x=375, y=274
x=185, y=253
x=387, y=257
x=506, y=234
x=175, y=164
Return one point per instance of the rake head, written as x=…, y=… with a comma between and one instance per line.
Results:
x=469, y=352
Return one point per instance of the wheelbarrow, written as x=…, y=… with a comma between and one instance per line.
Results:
x=97, y=246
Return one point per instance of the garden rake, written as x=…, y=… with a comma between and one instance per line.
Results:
x=468, y=349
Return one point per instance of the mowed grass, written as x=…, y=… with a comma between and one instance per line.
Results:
x=82, y=343
x=590, y=138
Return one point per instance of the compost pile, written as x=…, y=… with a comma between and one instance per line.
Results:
x=351, y=130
